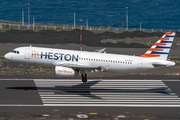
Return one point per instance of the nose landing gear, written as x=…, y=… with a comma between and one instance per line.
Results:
x=26, y=72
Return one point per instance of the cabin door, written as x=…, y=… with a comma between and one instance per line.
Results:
x=27, y=54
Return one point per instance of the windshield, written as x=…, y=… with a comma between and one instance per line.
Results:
x=14, y=51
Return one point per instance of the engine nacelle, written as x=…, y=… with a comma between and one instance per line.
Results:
x=64, y=71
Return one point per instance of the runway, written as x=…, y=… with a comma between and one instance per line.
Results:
x=122, y=93
x=97, y=94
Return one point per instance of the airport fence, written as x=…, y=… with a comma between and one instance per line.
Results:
x=20, y=26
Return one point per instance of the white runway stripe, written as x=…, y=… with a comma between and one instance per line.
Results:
x=92, y=80
x=113, y=105
x=121, y=96
x=72, y=92
x=109, y=98
x=101, y=101
x=107, y=93
x=114, y=102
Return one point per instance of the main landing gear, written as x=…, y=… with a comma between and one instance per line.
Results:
x=84, y=77
x=26, y=72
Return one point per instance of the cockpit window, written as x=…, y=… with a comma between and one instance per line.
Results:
x=14, y=51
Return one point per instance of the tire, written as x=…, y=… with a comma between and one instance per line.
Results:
x=84, y=79
x=26, y=73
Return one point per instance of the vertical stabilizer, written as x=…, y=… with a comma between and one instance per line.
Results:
x=161, y=48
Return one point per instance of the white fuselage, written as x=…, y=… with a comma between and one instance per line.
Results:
x=108, y=62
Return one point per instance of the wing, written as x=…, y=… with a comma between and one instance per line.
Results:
x=82, y=66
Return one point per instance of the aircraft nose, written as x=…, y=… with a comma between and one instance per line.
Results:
x=6, y=56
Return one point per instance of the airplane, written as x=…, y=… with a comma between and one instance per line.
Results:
x=69, y=63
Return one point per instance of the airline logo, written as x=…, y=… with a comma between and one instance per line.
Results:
x=54, y=56
x=65, y=71
x=161, y=47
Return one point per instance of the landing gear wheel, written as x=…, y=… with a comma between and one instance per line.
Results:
x=84, y=75
x=26, y=72
x=84, y=79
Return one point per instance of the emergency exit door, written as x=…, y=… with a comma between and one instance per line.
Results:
x=140, y=64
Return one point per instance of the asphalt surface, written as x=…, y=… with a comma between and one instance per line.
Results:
x=102, y=96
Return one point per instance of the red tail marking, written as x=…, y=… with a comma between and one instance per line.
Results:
x=159, y=44
x=149, y=55
x=153, y=49
x=168, y=33
x=164, y=39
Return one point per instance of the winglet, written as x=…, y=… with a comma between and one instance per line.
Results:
x=161, y=48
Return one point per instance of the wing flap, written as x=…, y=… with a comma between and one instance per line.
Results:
x=82, y=66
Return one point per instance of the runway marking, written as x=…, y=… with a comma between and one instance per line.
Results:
x=87, y=105
x=78, y=80
x=120, y=93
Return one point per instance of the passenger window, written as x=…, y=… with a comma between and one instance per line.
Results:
x=17, y=52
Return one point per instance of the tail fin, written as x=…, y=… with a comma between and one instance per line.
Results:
x=161, y=48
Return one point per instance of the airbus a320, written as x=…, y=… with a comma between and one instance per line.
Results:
x=68, y=63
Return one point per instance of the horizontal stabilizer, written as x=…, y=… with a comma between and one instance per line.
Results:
x=101, y=50
x=158, y=64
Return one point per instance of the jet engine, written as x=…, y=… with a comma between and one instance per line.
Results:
x=64, y=71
